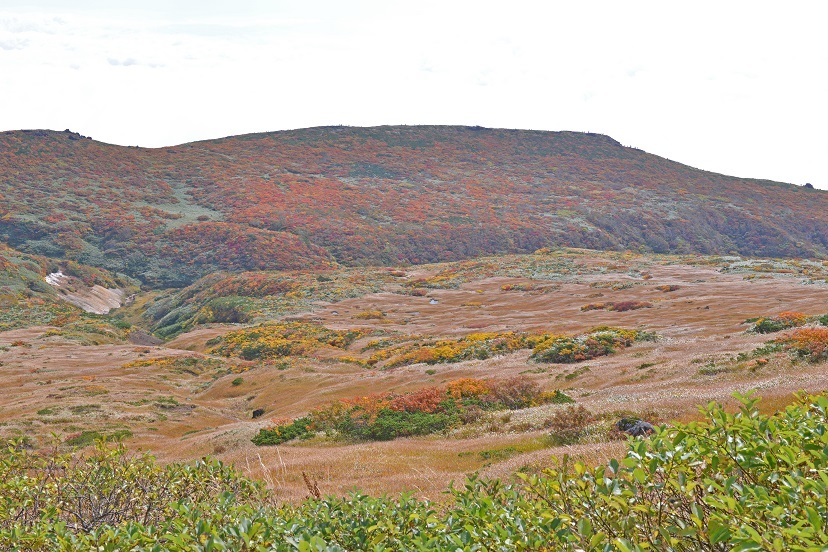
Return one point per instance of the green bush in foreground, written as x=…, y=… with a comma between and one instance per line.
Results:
x=740, y=481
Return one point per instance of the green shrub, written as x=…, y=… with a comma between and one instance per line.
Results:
x=734, y=481
x=88, y=437
x=299, y=428
x=498, y=454
x=83, y=439
x=391, y=424
x=70, y=501
x=559, y=397
x=739, y=481
x=121, y=324
x=769, y=325
x=782, y=321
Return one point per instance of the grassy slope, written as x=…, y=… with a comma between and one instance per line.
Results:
x=179, y=400
x=384, y=195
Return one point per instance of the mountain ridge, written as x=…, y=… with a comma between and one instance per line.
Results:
x=311, y=198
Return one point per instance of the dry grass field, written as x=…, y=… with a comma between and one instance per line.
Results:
x=179, y=401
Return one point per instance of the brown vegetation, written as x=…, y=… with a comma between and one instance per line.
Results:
x=182, y=404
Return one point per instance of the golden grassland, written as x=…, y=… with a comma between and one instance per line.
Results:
x=189, y=397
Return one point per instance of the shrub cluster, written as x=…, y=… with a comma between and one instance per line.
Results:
x=478, y=346
x=281, y=339
x=193, y=365
x=781, y=321
x=568, y=425
x=522, y=286
x=386, y=416
x=369, y=315
x=599, y=342
x=284, y=339
x=618, y=306
x=80, y=496
x=666, y=288
x=807, y=343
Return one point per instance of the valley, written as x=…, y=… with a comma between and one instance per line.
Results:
x=192, y=396
x=505, y=339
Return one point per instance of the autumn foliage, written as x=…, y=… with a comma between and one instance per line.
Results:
x=781, y=321
x=808, y=343
x=382, y=195
x=385, y=416
x=282, y=339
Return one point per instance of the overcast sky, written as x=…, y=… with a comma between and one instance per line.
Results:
x=734, y=87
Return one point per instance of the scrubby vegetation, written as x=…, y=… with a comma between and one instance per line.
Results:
x=599, y=342
x=781, y=321
x=619, y=306
x=808, y=343
x=667, y=288
x=185, y=364
x=386, y=416
x=26, y=299
x=478, y=346
x=252, y=297
x=301, y=339
x=257, y=297
x=281, y=340
x=741, y=481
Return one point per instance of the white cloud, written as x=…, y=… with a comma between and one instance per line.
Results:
x=13, y=44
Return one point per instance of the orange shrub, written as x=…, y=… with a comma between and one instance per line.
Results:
x=667, y=288
x=468, y=387
x=518, y=287
x=369, y=315
x=811, y=343
x=369, y=403
x=516, y=392
x=792, y=318
x=424, y=400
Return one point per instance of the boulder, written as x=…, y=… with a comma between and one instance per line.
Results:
x=636, y=428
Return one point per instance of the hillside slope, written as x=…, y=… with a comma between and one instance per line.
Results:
x=385, y=195
x=36, y=290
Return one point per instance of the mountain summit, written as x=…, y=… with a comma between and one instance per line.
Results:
x=316, y=197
